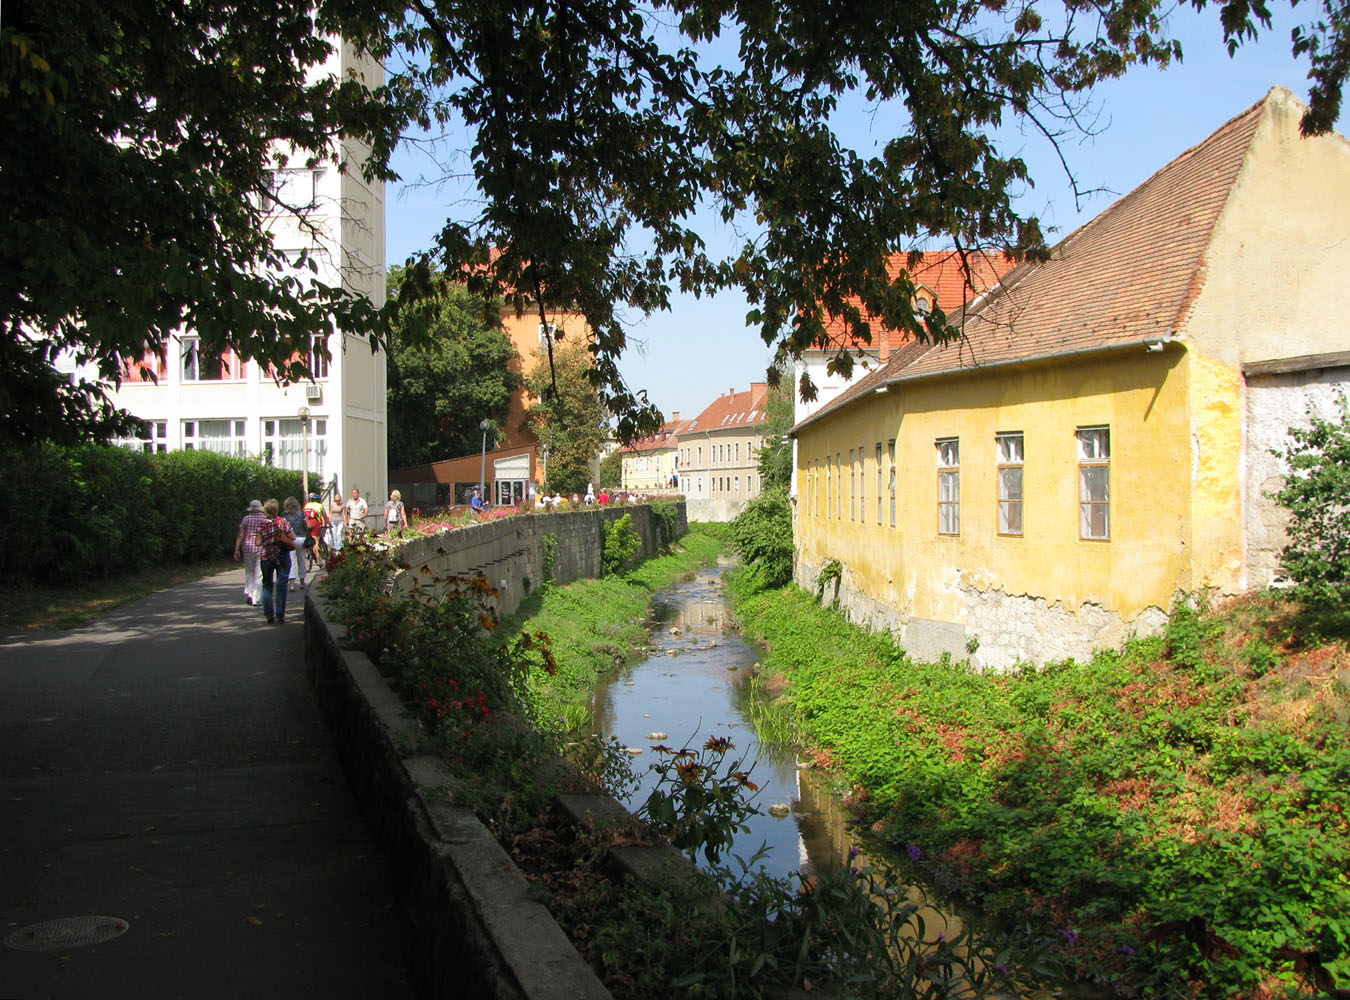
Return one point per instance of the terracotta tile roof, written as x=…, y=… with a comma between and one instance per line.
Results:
x=666, y=437
x=735, y=409
x=1130, y=274
x=944, y=274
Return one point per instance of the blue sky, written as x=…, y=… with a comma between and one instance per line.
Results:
x=1143, y=121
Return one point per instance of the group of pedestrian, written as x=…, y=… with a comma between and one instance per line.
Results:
x=275, y=540
x=266, y=543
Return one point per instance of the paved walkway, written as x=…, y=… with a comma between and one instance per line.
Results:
x=168, y=766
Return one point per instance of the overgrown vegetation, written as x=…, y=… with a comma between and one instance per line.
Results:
x=1174, y=811
x=621, y=545
x=1316, y=492
x=762, y=536
x=94, y=511
x=713, y=933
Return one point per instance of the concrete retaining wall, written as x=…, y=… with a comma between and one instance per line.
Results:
x=510, y=552
x=472, y=928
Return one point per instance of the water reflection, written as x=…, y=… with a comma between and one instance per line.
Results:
x=688, y=689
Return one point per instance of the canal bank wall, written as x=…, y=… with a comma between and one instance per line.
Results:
x=515, y=556
x=472, y=927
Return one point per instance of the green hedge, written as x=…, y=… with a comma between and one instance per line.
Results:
x=96, y=510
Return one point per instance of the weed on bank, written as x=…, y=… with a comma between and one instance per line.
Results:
x=724, y=931
x=1174, y=812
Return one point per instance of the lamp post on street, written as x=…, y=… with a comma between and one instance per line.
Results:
x=303, y=414
x=482, y=464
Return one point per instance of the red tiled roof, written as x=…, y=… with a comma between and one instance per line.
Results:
x=952, y=280
x=666, y=437
x=1129, y=275
x=735, y=409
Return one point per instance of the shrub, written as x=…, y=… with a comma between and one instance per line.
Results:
x=95, y=510
x=1317, y=495
x=762, y=534
x=621, y=545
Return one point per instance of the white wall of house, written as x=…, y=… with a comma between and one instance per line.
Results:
x=241, y=409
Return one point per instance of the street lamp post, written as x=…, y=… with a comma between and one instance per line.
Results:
x=482, y=465
x=303, y=414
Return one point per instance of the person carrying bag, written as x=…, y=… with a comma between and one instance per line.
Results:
x=276, y=541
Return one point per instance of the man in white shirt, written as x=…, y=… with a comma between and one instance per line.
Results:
x=355, y=513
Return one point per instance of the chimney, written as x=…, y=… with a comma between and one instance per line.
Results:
x=883, y=344
x=675, y=417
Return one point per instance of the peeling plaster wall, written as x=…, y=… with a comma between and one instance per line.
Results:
x=1021, y=628
x=1274, y=404
x=1008, y=628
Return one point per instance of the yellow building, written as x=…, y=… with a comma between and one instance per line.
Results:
x=650, y=465
x=1099, y=440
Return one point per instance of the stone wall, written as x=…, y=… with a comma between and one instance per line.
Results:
x=510, y=552
x=715, y=511
x=474, y=927
x=1003, y=629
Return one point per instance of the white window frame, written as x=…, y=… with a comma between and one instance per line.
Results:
x=1094, y=483
x=1010, y=452
x=235, y=440
x=890, y=451
x=880, y=502
x=283, y=443
x=190, y=362
x=154, y=441
x=948, y=485
x=291, y=189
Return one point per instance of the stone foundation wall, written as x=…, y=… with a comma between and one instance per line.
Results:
x=1003, y=629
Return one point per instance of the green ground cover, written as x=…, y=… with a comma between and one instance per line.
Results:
x=593, y=625
x=1174, y=812
x=713, y=933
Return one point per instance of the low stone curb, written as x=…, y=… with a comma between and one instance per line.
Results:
x=472, y=929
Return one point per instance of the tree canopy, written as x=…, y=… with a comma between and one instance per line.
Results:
x=566, y=415
x=599, y=133
x=444, y=380
x=135, y=194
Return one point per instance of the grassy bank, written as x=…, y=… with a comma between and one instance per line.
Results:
x=594, y=624
x=1173, y=813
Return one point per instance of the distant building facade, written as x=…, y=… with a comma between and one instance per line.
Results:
x=718, y=454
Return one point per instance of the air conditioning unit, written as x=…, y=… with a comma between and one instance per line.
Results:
x=314, y=391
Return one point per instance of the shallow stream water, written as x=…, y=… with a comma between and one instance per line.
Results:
x=689, y=688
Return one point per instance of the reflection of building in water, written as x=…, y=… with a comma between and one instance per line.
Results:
x=701, y=616
x=827, y=839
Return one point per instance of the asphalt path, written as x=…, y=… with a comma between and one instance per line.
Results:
x=167, y=767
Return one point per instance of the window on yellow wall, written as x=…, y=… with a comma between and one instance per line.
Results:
x=862, y=483
x=852, y=488
x=878, y=482
x=1010, y=461
x=839, y=494
x=890, y=451
x=1094, y=483
x=949, y=486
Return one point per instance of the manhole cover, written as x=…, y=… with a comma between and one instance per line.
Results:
x=68, y=932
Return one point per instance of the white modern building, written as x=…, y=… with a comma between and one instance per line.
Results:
x=238, y=407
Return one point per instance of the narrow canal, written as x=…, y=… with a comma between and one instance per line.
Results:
x=690, y=687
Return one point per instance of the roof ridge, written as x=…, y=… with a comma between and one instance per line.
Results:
x=1186, y=154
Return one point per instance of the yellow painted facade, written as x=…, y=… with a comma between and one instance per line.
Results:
x=1232, y=325
x=1139, y=395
